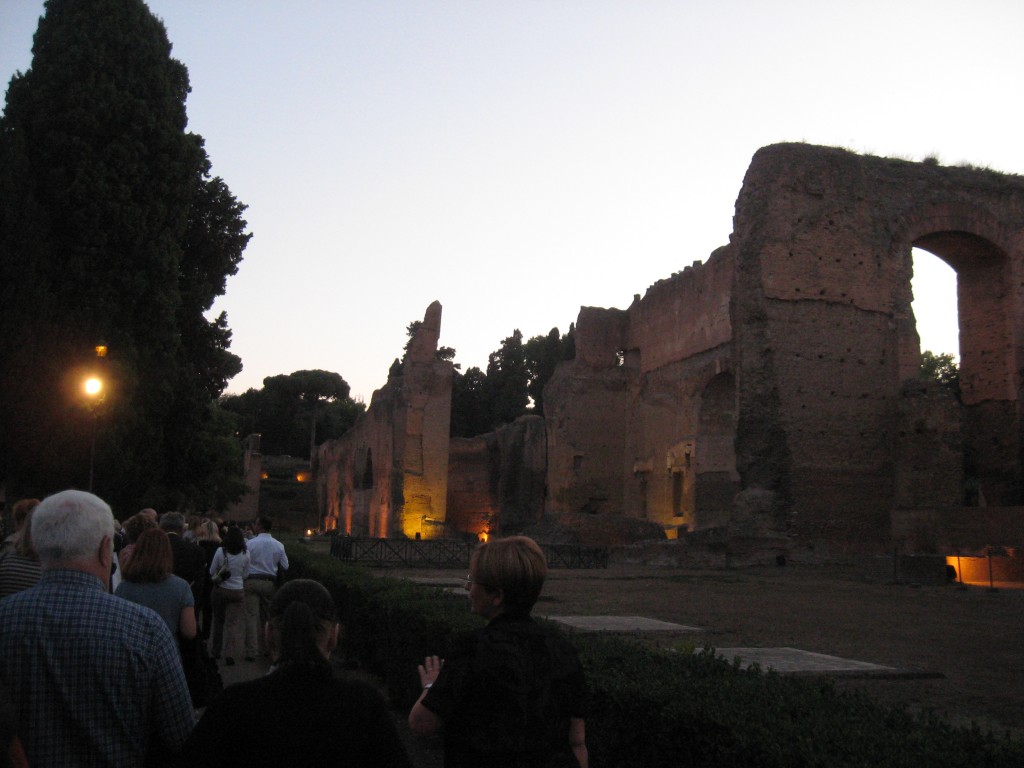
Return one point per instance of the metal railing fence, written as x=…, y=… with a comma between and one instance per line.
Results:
x=449, y=553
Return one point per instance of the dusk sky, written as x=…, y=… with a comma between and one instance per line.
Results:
x=517, y=160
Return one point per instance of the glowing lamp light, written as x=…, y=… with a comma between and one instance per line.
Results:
x=93, y=386
x=303, y=477
x=101, y=350
x=309, y=531
x=484, y=536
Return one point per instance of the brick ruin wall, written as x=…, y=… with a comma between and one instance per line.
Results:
x=768, y=391
x=388, y=475
x=623, y=418
x=824, y=332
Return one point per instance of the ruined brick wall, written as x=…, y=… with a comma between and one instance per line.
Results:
x=496, y=481
x=775, y=370
x=624, y=417
x=387, y=476
x=585, y=405
x=824, y=334
x=472, y=483
x=355, y=477
x=248, y=507
x=679, y=468
x=763, y=391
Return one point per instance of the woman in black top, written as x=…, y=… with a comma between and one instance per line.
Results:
x=512, y=694
x=301, y=713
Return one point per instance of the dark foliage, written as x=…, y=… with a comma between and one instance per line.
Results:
x=113, y=232
x=296, y=411
x=653, y=708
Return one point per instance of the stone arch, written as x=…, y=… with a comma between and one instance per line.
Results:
x=978, y=248
x=717, y=480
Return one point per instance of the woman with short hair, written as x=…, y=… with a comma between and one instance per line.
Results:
x=511, y=693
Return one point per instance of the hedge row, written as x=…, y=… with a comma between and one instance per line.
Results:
x=652, y=707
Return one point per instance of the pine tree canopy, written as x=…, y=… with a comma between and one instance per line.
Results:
x=113, y=232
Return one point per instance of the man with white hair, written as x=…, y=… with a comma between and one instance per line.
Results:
x=97, y=680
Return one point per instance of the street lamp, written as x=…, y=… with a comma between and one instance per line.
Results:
x=93, y=387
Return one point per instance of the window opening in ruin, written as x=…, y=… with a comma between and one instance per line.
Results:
x=367, y=479
x=620, y=358
x=935, y=304
x=677, y=494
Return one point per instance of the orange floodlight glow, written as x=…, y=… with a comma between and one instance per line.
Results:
x=92, y=386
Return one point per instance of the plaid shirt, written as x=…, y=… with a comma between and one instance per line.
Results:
x=97, y=680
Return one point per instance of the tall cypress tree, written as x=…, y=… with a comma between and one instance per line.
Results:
x=112, y=232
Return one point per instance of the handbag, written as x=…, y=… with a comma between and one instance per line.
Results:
x=223, y=573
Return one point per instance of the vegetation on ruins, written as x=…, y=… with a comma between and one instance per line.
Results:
x=654, y=707
x=511, y=386
x=113, y=232
x=295, y=412
x=941, y=368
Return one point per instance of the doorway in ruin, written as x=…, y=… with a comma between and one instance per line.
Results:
x=717, y=480
x=988, y=379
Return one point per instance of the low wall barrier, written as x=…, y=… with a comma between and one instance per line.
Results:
x=449, y=553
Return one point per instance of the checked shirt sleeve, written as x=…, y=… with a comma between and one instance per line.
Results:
x=172, y=705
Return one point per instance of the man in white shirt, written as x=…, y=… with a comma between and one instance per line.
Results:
x=266, y=558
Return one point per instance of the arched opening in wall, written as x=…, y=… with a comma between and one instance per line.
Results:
x=935, y=304
x=988, y=380
x=717, y=480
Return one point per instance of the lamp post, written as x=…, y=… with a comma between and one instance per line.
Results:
x=93, y=387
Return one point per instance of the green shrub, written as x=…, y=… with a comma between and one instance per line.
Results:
x=652, y=708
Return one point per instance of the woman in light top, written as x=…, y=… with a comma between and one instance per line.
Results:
x=228, y=596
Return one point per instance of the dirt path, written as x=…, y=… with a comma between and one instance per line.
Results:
x=972, y=637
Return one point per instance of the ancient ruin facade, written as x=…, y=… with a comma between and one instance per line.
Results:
x=775, y=388
x=388, y=475
x=772, y=389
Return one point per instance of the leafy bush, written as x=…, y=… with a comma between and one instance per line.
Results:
x=652, y=708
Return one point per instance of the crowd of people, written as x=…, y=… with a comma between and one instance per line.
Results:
x=99, y=622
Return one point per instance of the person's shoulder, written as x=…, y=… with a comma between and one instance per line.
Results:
x=177, y=584
x=25, y=600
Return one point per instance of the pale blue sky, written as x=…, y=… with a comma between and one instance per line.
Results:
x=518, y=159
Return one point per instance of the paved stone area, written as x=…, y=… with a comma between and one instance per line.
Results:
x=620, y=624
x=790, y=661
x=796, y=661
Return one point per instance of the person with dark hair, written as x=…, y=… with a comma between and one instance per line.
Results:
x=147, y=580
x=301, y=713
x=511, y=693
x=189, y=559
x=227, y=597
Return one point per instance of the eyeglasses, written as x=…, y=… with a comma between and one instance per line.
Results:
x=470, y=582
